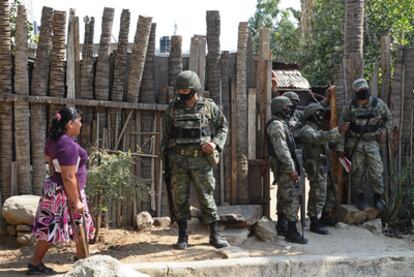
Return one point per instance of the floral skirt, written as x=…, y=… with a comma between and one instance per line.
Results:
x=53, y=221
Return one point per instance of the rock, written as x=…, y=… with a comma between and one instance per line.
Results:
x=233, y=252
x=235, y=236
x=20, y=209
x=375, y=226
x=102, y=266
x=164, y=221
x=11, y=230
x=341, y=225
x=24, y=228
x=25, y=238
x=239, y=215
x=144, y=221
x=265, y=230
x=352, y=215
x=195, y=212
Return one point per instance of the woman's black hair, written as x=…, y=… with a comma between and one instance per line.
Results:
x=60, y=120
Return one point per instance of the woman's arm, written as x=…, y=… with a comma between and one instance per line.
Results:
x=71, y=186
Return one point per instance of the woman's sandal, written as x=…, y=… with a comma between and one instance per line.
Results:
x=39, y=269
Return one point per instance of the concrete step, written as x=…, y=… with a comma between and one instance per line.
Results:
x=394, y=264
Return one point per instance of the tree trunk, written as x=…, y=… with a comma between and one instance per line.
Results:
x=148, y=96
x=57, y=60
x=103, y=64
x=120, y=71
x=213, y=55
x=6, y=113
x=139, y=52
x=354, y=38
x=87, y=77
x=21, y=109
x=175, y=61
x=38, y=116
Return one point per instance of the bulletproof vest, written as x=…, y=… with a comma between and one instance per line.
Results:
x=191, y=125
x=364, y=120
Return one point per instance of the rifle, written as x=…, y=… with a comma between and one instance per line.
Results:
x=301, y=183
x=167, y=178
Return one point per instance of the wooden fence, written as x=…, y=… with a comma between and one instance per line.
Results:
x=122, y=96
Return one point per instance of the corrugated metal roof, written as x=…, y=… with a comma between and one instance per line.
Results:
x=290, y=79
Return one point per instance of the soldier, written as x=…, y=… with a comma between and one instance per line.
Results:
x=283, y=166
x=369, y=119
x=315, y=158
x=296, y=121
x=194, y=131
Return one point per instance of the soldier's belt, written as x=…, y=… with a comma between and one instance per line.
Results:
x=189, y=152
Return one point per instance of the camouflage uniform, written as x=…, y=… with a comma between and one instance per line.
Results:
x=282, y=164
x=315, y=155
x=185, y=130
x=366, y=157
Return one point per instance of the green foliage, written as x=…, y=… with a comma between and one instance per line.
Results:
x=110, y=176
x=320, y=51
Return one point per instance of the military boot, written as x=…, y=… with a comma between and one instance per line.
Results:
x=182, y=242
x=215, y=239
x=282, y=225
x=293, y=235
x=379, y=203
x=327, y=220
x=361, y=202
x=316, y=227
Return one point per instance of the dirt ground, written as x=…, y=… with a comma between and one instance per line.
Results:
x=130, y=246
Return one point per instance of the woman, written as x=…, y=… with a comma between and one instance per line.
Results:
x=67, y=162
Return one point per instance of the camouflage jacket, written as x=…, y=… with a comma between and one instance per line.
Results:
x=376, y=113
x=277, y=131
x=211, y=116
x=315, y=141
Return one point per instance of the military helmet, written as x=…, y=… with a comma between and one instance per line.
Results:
x=311, y=109
x=188, y=79
x=278, y=103
x=291, y=95
x=360, y=84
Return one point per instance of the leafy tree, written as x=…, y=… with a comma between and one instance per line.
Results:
x=110, y=178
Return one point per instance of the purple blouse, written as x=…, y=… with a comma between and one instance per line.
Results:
x=67, y=151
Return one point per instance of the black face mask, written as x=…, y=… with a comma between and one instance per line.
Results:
x=362, y=94
x=318, y=116
x=185, y=97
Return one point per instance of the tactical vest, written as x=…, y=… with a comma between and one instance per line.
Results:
x=363, y=122
x=191, y=125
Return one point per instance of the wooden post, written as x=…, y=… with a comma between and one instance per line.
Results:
x=233, y=140
x=263, y=91
x=197, y=61
x=241, y=100
x=71, y=56
x=251, y=124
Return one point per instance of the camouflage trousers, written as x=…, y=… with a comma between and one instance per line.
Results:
x=196, y=171
x=317, y=192
x=367, y=162
x=287, y=197
x=330, y=203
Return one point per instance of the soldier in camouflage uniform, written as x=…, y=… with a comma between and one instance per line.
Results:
x=296, y=121
x=369, y=119
x=315, y=158
x=283, y=166
x=194, y=131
